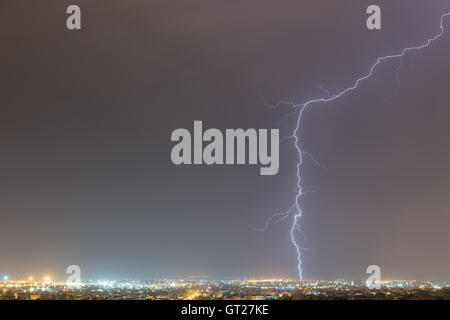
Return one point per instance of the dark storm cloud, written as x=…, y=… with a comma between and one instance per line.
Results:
x=85, y=172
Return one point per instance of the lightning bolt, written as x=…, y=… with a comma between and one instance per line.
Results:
x=301, y=108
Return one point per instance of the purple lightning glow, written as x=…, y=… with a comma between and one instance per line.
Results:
x=331, y=96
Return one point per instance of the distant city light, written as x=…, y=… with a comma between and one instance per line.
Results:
x=248, y=289
x=5, y=278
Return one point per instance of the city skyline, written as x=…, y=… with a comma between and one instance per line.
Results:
x=86, y=174
x=268, y=289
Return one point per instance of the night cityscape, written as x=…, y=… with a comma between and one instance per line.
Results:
x=268, y=289
x=215, y=151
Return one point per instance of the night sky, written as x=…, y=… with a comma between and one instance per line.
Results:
x=86, y=116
